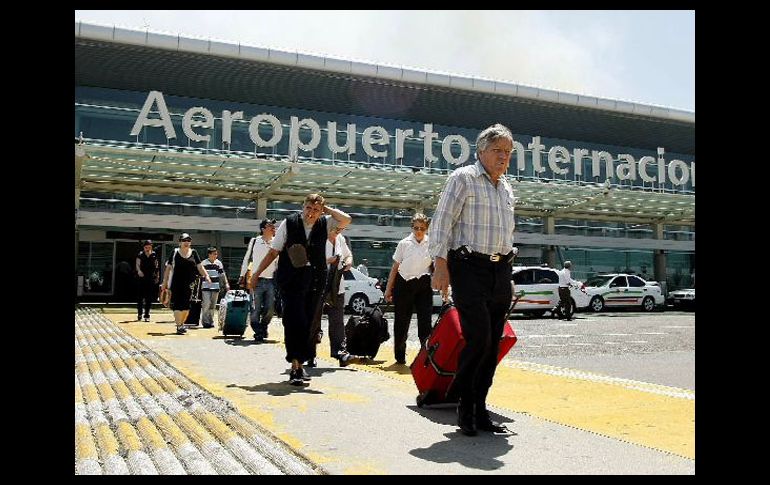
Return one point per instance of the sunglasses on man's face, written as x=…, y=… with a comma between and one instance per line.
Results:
x=186, y=240
x=420, y=228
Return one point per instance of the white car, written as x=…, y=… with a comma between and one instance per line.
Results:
x=623, y=290
x=684, y=298
x=361, y=290
x=538, y=290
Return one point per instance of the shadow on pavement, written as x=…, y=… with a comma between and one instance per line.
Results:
x=477, y=452
x=282, y=388
x=402, y=369
x=447, y=414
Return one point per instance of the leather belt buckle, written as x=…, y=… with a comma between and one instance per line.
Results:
x=494, y=258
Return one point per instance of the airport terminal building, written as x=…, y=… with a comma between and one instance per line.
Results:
x=177, y=134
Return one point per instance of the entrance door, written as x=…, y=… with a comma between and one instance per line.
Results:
x=126, y=284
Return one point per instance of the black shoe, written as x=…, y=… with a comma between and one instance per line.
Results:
x=465, y=420
x=491, y=426
x=344, y=359
x=312, y=362
x=258, y=339
x=147, y=319
x=181, y=330
x=138, y=318
x=401, y=361
x=295, y=378
x=484, y=423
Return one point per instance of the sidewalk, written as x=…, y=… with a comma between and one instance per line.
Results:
x=362, y=419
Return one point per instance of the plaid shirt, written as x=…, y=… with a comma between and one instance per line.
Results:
x=472, y=211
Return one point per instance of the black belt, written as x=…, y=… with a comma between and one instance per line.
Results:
x=463, y=253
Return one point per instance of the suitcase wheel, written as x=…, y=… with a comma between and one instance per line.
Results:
x=420, y=400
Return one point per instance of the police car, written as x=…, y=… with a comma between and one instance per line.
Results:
x=623, y=290
x=360, y=290
x=538, y=290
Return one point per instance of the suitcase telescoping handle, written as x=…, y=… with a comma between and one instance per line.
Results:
x=430, y=361
x=431, y=350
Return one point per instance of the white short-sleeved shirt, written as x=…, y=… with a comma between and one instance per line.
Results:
x=340, y=247
x=413, y=257
x=565, y=277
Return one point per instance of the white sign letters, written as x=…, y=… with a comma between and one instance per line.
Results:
x=375, y=141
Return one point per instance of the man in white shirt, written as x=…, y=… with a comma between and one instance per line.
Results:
x=339, y=259
x=409, y=286
x=263, y=296
x=565, y=299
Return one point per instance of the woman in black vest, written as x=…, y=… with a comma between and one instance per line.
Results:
x=300, y=241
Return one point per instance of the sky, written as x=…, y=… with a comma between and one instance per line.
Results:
x=644, y=57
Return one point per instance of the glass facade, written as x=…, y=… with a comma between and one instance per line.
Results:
x=110, y=114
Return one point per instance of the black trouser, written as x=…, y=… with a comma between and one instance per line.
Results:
x=296, y=321
x=415, y=294
x=300, y=303
x=565, y=303
x=481, y=291
x=146, y=295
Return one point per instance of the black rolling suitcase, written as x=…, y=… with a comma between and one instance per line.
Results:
x=364, y=333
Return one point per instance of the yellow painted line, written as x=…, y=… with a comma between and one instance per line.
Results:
x=174, y=434
x=136, y=387
x=78, y=392
x=243, y=400
x=128, y=436
x=364, y=469
x=150, y=434
x=89, y=393
x=85, y=447
x=106, y=441
x=652, y=420
x=214, y=424
x=197, y=432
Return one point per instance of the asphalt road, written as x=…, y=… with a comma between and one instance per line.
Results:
x=656, y=347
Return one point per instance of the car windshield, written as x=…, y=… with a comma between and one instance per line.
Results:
x=598, y=280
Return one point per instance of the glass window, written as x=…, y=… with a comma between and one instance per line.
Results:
x=635, y=282
x=348, y=275
x=523, y=277
x=543, y=276
x=620, y=281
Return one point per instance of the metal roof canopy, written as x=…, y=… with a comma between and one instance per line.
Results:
x=132, y=60
x=119, y=168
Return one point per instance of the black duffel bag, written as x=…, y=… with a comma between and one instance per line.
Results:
x=364, y=333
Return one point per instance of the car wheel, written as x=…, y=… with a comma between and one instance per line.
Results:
x=597, y=304
x=648, y=304
x=358, y=302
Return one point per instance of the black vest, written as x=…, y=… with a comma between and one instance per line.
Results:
x=287, y=276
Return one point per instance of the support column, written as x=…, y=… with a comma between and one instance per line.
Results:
x=261, y=209
x=549, y=251
x=80, y=155
x=659, y=259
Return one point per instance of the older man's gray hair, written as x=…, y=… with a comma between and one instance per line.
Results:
x=492, y=134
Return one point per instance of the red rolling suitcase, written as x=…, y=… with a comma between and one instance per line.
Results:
x=435, y=366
